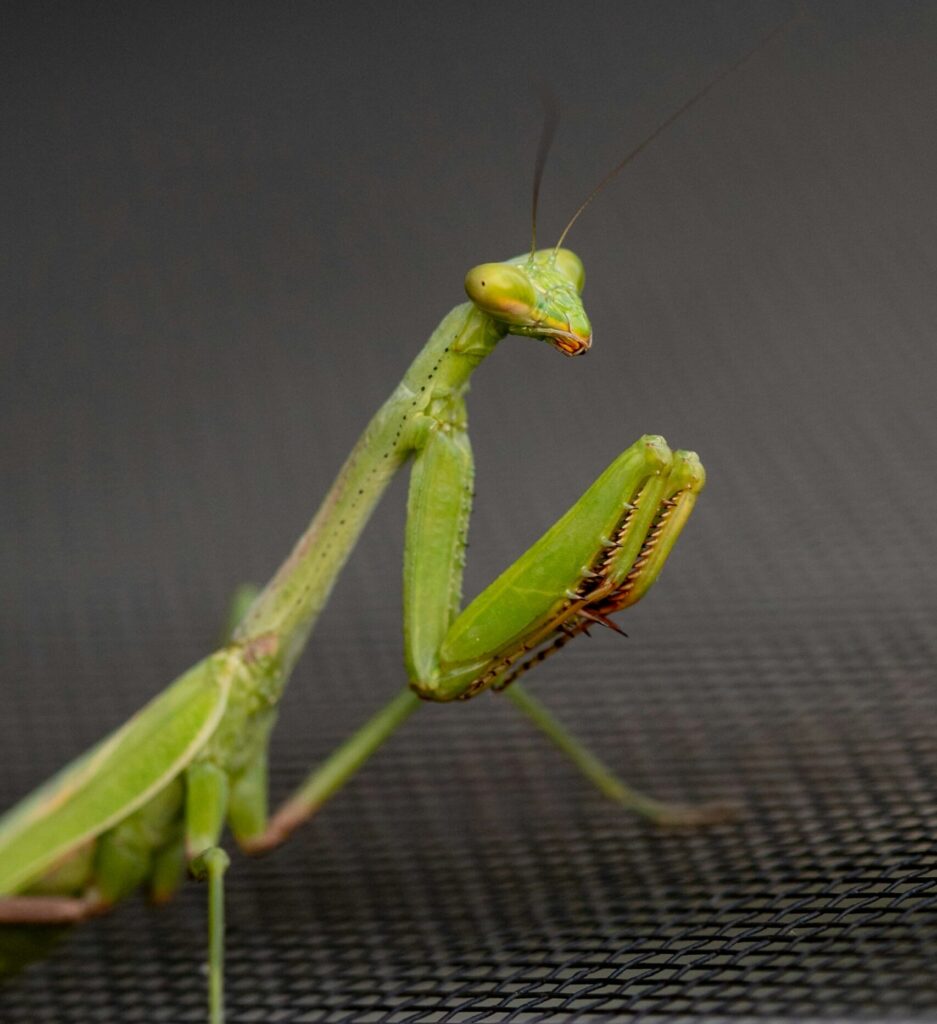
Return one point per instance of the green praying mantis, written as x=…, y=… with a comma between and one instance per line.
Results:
x=154, y=797
x=156, y=794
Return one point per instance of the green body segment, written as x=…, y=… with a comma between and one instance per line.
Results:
x=438, y=508
x=122, y=774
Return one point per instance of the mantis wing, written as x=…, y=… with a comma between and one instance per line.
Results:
x=117, y=776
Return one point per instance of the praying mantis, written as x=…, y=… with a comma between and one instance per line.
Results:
x=156, y=794
x=154, y=797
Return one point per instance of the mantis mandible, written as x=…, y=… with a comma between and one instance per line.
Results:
x=155, y=796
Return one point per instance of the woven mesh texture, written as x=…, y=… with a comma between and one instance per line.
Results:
x=225, y=240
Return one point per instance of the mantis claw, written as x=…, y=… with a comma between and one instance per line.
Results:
x=603, y=620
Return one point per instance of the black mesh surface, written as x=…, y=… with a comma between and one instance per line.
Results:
x=226, y=233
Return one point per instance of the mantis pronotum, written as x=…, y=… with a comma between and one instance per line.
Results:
x=155, y=796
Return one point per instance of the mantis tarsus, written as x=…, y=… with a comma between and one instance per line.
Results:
x=155, y=795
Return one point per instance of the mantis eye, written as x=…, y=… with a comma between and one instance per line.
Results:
x=501, y=290
x=570, y=266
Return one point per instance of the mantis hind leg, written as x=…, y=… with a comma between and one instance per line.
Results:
x=206, y=806
x=49, y=910
x=211, y=865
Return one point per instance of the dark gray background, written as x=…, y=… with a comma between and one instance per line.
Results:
x=227, y=229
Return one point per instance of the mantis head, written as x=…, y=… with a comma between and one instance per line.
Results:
x=537, y=295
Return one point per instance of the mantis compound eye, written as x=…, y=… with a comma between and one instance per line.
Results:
x=570, y=266
x=502, y=291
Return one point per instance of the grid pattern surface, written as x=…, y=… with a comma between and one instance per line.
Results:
x=176, y=409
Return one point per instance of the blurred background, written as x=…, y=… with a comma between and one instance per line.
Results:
x=226, y=231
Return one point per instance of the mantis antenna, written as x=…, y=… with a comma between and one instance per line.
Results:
x=669, y=120
x=550, y=119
